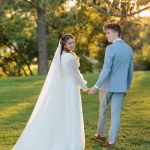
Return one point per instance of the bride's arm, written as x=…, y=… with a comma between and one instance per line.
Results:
x=76, y=73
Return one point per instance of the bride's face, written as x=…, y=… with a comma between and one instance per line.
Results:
x=70, y=45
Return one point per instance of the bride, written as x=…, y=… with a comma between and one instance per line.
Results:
x=56, y=122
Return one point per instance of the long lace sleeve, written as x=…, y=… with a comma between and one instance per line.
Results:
x=76, y=74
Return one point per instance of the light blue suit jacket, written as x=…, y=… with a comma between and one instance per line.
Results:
x=118, y=67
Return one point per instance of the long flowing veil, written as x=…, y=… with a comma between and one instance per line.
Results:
x=52, y=81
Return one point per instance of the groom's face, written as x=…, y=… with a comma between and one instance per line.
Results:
x=111, y=35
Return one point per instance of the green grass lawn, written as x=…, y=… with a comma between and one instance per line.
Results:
x=18, y=96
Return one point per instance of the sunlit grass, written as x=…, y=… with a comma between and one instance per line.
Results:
x=18, y=96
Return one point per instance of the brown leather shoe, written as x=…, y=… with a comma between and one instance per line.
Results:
x=108, y=145
x=100, y=139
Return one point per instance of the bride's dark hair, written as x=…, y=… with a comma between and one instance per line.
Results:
x=63, y=41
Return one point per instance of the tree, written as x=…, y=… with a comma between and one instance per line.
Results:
x=40, y=9
x=43, y=8
x=42, y=38
x=17, y=40
x=120, y=8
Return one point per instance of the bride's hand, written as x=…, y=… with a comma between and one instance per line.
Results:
x=87, y=90
x=92, y=90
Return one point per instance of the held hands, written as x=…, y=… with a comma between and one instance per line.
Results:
x=91, y=91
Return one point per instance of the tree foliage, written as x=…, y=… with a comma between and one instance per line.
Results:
x=30, y=31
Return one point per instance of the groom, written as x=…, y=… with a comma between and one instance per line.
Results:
x=114, y=81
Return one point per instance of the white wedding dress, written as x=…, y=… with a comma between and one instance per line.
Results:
x=56, y=122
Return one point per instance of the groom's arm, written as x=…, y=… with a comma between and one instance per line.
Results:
x=106, y=67
x=130, y=74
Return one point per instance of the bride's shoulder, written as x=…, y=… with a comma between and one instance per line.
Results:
x=69, y=56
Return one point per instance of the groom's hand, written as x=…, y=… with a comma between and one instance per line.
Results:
x=92, y=90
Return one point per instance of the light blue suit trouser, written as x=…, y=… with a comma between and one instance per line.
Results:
x=116, y=104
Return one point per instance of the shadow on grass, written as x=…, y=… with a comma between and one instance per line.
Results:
x=16, y=109
x=140, y=142
x=17, y=90
x=12, y=127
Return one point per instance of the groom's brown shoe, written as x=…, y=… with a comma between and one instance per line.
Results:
x=109, y=145
x=100, y=139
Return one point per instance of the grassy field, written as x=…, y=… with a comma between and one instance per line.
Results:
x=18, y=96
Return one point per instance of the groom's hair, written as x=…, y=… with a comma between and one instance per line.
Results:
x=113, y=26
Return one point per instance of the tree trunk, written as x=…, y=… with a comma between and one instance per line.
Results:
x=42, y=40
x=31, y=73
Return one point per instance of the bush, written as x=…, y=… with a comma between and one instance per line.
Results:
x=85, y=65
